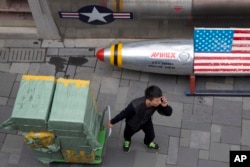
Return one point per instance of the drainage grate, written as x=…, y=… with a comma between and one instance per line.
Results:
x=4, y=54
x=26, y=55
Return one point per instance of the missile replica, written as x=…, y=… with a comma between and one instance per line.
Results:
x=174, y=9
x=213, y=51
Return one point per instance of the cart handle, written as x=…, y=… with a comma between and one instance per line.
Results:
x=107, y=109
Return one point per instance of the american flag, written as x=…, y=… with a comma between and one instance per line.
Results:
x=225, y=51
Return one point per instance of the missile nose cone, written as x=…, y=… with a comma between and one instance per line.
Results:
x=100, y=54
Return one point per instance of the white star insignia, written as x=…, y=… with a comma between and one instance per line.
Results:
x=96, y=15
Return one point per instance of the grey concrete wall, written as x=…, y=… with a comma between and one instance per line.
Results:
x=136, y=28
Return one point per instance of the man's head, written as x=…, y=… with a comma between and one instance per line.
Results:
x=153, y=96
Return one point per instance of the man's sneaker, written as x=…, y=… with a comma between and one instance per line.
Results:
x=126, y=146
x=153, y=146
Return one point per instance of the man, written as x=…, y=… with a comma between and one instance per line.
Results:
x=138, y=116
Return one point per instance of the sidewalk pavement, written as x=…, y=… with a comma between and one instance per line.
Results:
x=200, y=133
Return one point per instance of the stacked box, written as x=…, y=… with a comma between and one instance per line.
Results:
x=59, y=119
x=32, y=105
x=74, y=118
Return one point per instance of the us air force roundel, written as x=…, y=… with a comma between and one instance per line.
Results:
x=96, y=15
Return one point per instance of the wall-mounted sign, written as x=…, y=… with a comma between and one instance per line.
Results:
x=97, y=15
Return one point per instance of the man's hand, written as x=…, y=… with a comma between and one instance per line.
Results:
x=164, y=101
x=110, y=125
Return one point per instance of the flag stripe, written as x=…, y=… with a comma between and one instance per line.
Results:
x=221, y=51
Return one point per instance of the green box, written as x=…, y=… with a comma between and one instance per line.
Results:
x=33, y=102
x=73, y=109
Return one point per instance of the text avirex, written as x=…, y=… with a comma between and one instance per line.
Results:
x=168, y=55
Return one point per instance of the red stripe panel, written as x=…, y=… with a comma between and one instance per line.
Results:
x=222, y=64
x=242, y=31
x=221, y=58
x=221, y=70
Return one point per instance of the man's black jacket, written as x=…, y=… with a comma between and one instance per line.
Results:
x=136, y=113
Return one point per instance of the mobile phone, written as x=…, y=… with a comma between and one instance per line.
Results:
x=161, y=99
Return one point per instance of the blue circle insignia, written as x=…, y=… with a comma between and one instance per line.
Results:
x=97, y=15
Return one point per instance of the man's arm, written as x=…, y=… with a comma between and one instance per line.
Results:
x=128, y=112
x=167, y=111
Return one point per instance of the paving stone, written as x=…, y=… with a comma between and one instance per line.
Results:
x=106, y=99
x=200, y=140
x=216, y=128
x=145, y=159
x=203, y=100
x=124, y=83
x=161, y=160
x=245, y=133
x=236, y=99
x=22, y=43
x=47, y=69
x=182, y=85
x=52, y=44
x=246, y=114
x=21, y=68
x=187, y=112
x=184, y=142
x=202, y=113
x=121, y=98
x=109, y=86
x=173, y=151
x=19, y=77
x=14, y=159
x=196, y=126
x=182, y=98
x=185, y=138
x=144, y=77
x=231, y=135
x=2, y=43
x=52, y=51
x=91, y=62
x=96, y=84
x=103, y=69
x=172, y=121
x=6, y=86
x=219, y=86
x=166, y=82
x=173, y=132
x=13, y=144
x=2, y=138
x=60, y=75
x=3, y=101
x=15, y=90
x=4, y=159
x=113, y=157
x=204, y=154
x=136, y=89
x=235, y=148
x=71, y=70
x=131, y=75
x=116, y=74
x=246, y=103
x=207, y=163
x=227, y=112
x=11, y=102
x=187, y=157
x=215, y=137
x=27, y=159
x=5, y=67
x=76, y=52
x=219, y=152
x=34, y=68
